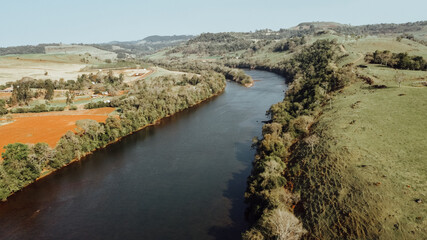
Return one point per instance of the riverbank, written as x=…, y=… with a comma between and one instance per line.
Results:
x=270, y=192
x=178, y=94
x=327, y=166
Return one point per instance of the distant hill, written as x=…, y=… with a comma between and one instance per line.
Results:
x=145, y=46
x=123, y=49
x=80, y=49
x=318, y=25
x=174, y=38
x=419, y=29
x=416, y=31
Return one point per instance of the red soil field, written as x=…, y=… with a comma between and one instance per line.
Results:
x=5, y=95
x=46, y=127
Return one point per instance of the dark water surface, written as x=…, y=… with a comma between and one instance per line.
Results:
x=182, y=179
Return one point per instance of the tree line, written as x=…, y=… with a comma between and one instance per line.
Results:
x=397, y=60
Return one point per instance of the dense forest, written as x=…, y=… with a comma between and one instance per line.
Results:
x=144, y=105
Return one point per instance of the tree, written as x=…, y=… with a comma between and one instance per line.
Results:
x=91, y=128
x=398, y=77
x=21, y=92
x=68, y=148
x=40, y=155
x=121, y=77
x=49, y=87
x=3, y=109
x=17, y=165
x=70, y=95
x=284, y=225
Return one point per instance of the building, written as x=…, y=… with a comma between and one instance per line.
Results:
x=7, y=90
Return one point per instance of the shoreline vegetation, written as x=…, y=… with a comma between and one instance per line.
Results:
x=144, y=106
x=313, y=79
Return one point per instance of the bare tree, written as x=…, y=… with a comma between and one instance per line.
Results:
x=312, y=141
x=284, y=225
x=398, y=77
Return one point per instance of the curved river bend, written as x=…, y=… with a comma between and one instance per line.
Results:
x=182, y=179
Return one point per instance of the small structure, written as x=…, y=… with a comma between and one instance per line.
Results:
x=7, y=90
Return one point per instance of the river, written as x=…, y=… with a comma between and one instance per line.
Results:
x=182, y=179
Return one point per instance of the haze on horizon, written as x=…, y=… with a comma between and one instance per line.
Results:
x=93, y=21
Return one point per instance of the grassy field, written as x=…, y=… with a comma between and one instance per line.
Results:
x=39, y=66
x=157, y=72
x=66, y=66
x=81, y=50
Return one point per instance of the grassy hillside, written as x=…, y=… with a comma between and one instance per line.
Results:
x=367, y=172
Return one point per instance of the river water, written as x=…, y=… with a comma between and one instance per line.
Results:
x=182, y=179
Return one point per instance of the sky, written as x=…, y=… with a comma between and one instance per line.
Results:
x=30, y=22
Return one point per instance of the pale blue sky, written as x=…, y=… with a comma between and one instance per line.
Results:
x=94, y=21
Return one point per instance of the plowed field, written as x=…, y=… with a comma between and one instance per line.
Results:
x=46, y=127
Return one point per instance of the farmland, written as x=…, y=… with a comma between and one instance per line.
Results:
x=59, y=66
x=45, y=127
x=64, y=63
